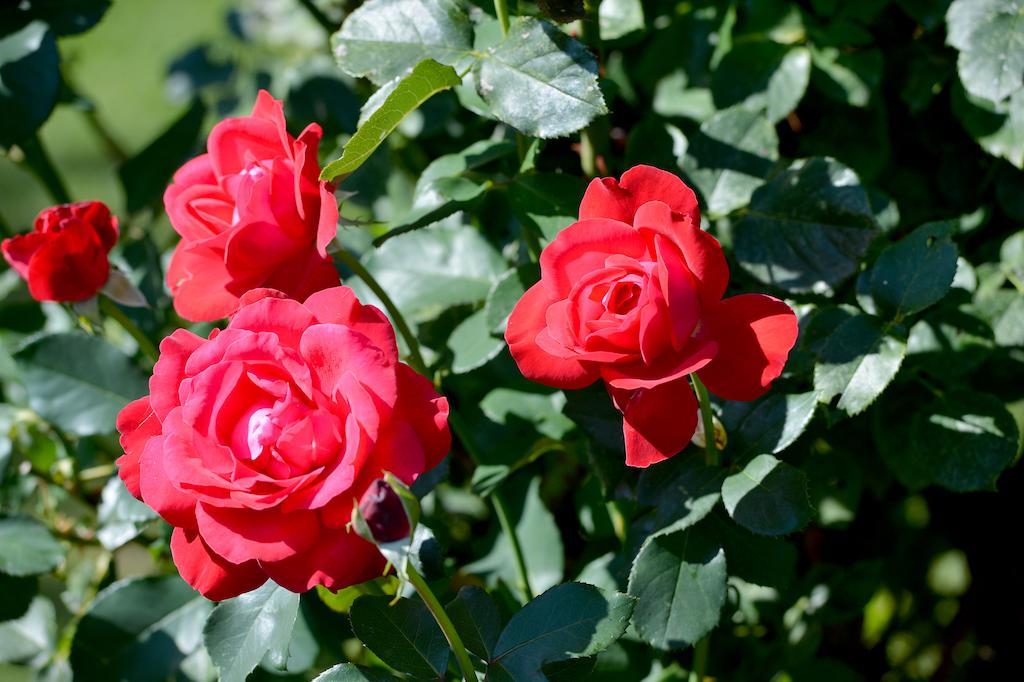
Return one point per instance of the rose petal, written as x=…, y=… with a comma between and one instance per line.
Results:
x=137, y=424
x=606, y=198
x=175, y=506
x=340, y=559
x=210, y=574
x=658, y=422
x=582, y=248
x=667, y=367
x=240, y=535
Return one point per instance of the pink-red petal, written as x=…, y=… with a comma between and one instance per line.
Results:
x=658, y=422
x=209, y=573
x=606, y=198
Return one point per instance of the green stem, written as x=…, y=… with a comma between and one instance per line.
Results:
x=320, y=17
x=39, y=162
x=500, y=510
x=111, y=309
x=501, y=9
x=513, y=540
x=445, y=623
x=114, y=149
x=353, y=264
x=710, y=449
x=700, y=659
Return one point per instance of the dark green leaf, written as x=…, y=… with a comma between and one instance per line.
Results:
x=17, y=592
x=65, y=17
x=569, y=621
x=404, y=635
x=915, y=272
x=990, y=37
x=241, y=631
x=678, y=579
x=476, y=619
x=756, y=559
x=506, y=292
x=806, y=229
x=145, y=175
x=857, y=362
x=78, y=382
x=682, y=490
x=731, y=156
x=768, y=426
x=768, y=497
x=998, y=128
x=762, y=75
x=546, y=202
x=846, y=76
x=140, y=629
x=427, y=79
x=383, y=39
x=29, y=79
x=27, y=548
x=540, y=81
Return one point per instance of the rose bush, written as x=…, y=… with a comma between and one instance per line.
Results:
x=632, y=294
x=251, y=213
x=256, y=443
x=64, y=257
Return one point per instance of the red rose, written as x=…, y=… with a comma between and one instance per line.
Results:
x=256, y=443
x=632, y=294
x=64, y=258
x=251, y=213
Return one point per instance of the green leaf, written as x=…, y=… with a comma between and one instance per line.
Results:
x=403, y=635
x=145, y=175
x=348, y=672
x=65, y=17
x=998, y=128
x=806, y=229
x=679, y=580
x=915, y=272
x=541, y=543
x=682, y=490
x=769, y=425
x=29, y=80
x=476, y=619
x=140, y=629
x=539, y=80
x=241, y=631
x=846, y=76
x=444, y=188
x=18, y=592
x=506, y=292
x=383, y=39
x=429, y=270
x=427, y=79
x=472, y=344
x=756, y=559
x=570, y=621
x=990, y=37
x=546, y=202
x=32, y=637
x=297, y=653
x=857, y=362
x=618, y=18
x=762, y=75
x=121, y=516
x=543, y=410
x=78, y=382
x=27, y=548
x=730, y=157
x=963, y=440
x=768, y=497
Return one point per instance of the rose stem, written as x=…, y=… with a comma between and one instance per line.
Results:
x=41, y=165
x=501, y=9
x=110, y=309
x=702, y=647
x=353, y=264
x=445, y=623
x=500, y=510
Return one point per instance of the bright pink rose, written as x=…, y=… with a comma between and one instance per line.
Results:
x=251, y=213
x=632, y=294
x=64, y=258
x=256, y=443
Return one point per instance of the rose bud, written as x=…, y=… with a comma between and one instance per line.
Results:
x=384, y=515
x=64, y=258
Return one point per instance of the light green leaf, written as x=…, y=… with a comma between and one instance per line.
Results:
x=427, y=79
x=32, y=637
x=241, y=631
x=472, y=344
x=570, y=621
x=78, y=382
x=679, y=580
x=348, y=672
x=806, y=229
x=762, y=75
x=383, y=39
x=990, y=37
x=618, y=18
x=848, y=77
x=27, y=548
x=857, y=362
x=121, y=516
x=915, y=272
x=769, y=425
x=544, y=410
x=768, y=497
x=998, y=128
x=403, y=635
x=505, y=294
x=540, y=81
x=731, y=156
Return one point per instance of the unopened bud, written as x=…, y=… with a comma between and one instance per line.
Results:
x=383, y=514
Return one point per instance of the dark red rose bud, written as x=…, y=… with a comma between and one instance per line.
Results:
x=384, y=513
x=64, y=258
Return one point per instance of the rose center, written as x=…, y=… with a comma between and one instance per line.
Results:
x=262, y=432
x=622, y=297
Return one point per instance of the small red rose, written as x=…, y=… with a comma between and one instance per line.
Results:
x=251, y=213
x=256, y=444
x=64, y=258
x=632, y=294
